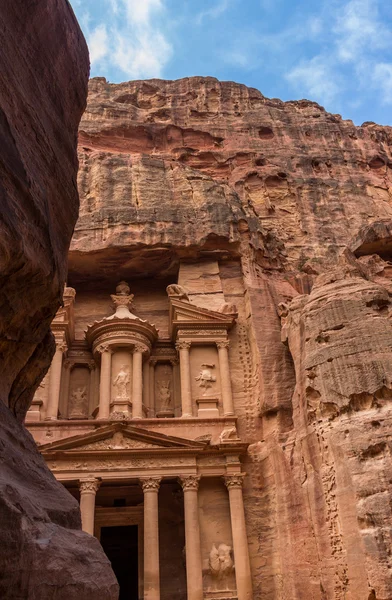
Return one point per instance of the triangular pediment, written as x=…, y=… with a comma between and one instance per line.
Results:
x=120, y=436
x=184, y=313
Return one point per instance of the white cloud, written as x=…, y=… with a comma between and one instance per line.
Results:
x=132, y=38
x=359, y=29
x=98, y=43
x=316, y=78
x=382, y=78
x=141, y=11
x=213, y=12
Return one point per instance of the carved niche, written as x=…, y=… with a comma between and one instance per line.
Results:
x=164, y=390
x=79, y=393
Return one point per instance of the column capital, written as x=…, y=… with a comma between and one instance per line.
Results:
x=223, y=344
x=139, y=348
x=153, y=362
x=104, y=348
x=89, y=484
x=150, y=484
x=190, y=482
x=174, y=362
x=234, y=481
x=61, y=346
x=183, y=345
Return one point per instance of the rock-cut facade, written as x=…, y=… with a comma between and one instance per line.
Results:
x=219, y=402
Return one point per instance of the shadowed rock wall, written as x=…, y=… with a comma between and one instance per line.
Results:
x=43, y=78
x=201, y=170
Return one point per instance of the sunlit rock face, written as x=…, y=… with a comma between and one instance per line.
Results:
x=43, y=79
x=196, y=170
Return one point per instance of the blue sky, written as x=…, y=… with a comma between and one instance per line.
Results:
x=336, y=52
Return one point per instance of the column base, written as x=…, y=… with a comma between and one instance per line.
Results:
x=207, y=408
x=186, y=416
x=165, y=414
x=33, y=415
x=120, y=409
x=50, y=419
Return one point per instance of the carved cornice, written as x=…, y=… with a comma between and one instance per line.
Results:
x=234, y=481
x=89, y=485
x=190, y=482
x=150, y=484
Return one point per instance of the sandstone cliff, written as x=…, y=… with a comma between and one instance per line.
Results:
x=200, y=169
x=43, y=79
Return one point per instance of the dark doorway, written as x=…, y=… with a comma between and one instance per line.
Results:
x=120, y=546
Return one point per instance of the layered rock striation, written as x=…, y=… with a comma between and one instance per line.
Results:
x=294, y=204
x=43, y=80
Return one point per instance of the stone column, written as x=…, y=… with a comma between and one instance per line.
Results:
x=137, y=382
x=240, y=539
x=194, y=567
x=227, y=396
x=185, y=375
x=91, y=396
x=88, y=489
x=67, y=367
x=146, y=387
x=152, y=410
x=54, y=383
x=105, y=384
x=150, y=487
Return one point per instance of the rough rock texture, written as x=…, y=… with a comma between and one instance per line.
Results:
x=276, y=192
x=43, y=80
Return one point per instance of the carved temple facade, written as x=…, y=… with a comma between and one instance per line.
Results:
x=137, y=419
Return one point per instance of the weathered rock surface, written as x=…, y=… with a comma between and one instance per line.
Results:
x=276, y=192
x=43, y=79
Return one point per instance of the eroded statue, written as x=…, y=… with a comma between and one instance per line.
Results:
x=78, y=401
x=205, y=378
x=220, y=562
x=121, y=383
x=164, y=395
x=177, y=291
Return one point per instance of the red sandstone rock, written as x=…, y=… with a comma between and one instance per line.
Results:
x=43, y=77
x=199, y=169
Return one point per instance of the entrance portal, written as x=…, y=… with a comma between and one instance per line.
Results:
x=121, y=547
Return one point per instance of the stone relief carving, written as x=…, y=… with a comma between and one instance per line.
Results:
x=228, y=434
x=177, y=291
x=234, y=481
x=117, y=442
x=164, y=395
x=121, y=383
x=220, y=561
x=205, y=378
x=78, y=402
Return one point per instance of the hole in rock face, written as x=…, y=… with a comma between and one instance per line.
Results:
x=376, y=163
x=260, y=162
x=266, y=133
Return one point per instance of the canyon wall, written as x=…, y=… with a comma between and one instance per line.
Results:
x=43, y=86
x=293, y=205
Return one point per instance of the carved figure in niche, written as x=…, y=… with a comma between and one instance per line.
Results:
x=78, y=401
x=164, y=395
x=205, y=378
x=121, y=383
x=220, y=562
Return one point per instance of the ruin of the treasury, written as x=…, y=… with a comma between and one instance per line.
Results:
x=219, y=401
